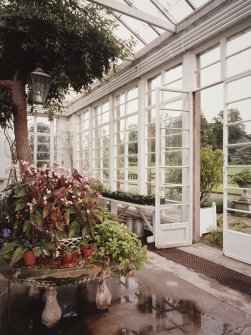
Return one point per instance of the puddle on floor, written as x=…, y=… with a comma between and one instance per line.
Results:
x=135, y=310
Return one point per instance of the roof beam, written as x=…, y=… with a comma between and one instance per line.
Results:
x=129, y=28
x=191, y=4
x=163, y=10
x=150, y=25
x=136, y=14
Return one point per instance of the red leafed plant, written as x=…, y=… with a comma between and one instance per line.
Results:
x=50, y=204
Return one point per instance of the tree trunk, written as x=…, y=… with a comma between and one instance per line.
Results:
x=20, y=121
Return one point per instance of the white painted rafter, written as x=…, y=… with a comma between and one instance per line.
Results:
x=136, y=14
x=191, y=4
x=151, y=26
x=129, y=28
x=163, y=11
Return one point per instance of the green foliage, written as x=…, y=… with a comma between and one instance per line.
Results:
x=118, y=247
x=212, y=133
x=211, y=171
x=216, y=237
x=16, y=249
x=242, y=178
x=74, y=45
x=51, y=204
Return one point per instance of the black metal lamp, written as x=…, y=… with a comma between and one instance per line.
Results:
x=40, y=83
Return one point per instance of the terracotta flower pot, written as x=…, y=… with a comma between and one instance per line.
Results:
x=70, y=259
x=30, y=258
x=87, y=251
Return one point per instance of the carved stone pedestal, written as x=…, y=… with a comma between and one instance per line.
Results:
x=52, y=311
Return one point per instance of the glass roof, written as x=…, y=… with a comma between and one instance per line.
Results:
x=141, y=28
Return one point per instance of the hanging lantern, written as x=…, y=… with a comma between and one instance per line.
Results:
x=40, y=85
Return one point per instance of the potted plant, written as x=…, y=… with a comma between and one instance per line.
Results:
x=21, y=248
x=52, y=208
x=87, y=247
x=70, y=257
x=117, y=248
x=50, y=204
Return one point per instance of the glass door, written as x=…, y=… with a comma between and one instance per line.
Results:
x=173, y=216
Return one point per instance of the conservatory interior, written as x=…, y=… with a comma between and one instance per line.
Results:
x=139, y=129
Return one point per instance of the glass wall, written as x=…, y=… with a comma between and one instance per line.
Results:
x=83, y=141
x=100, y=141
x=42, y=137
x=126, y=121
x=173, y=79
x=238, y=124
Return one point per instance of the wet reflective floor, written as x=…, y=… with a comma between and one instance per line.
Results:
x=153, y=302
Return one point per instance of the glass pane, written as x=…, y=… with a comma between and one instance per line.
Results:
x=132, y=161
x=105, y=174
x=239, y=133
x=133, y=173
x=133, y=148
x=121, y=161
x=239, y=42
x=121, y=126
x=106, y=163
x=155, y=82
x=43, y=147
x=132, y=122
x=210, y=74
x=42, y=127
x=30, y=121
x=173, y=194
x=239, y=155
x=240, y=221
x=239, y=89
x=133, y=188
x=174, y=214
x=173, y=176
x=209, y=57
x=239, y=110
x=173, y=158
x=239, y=63
x=133, y=93
x=173, y=138
x=43, y=156
x=132, y=135
x=132, y=106
x=105, y=117
x=43, y=139
x=173, y=75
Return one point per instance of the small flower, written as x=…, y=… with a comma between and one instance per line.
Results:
x=6, y=232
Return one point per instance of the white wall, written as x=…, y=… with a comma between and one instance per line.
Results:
x=5, y=160
x=64, y=144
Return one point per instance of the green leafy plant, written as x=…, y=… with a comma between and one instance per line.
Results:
x=211, y=172
x=214, y=237
x=47, y=205
x=242, y=178
x=15, y=250
x=51, y=204
x=117, y=247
